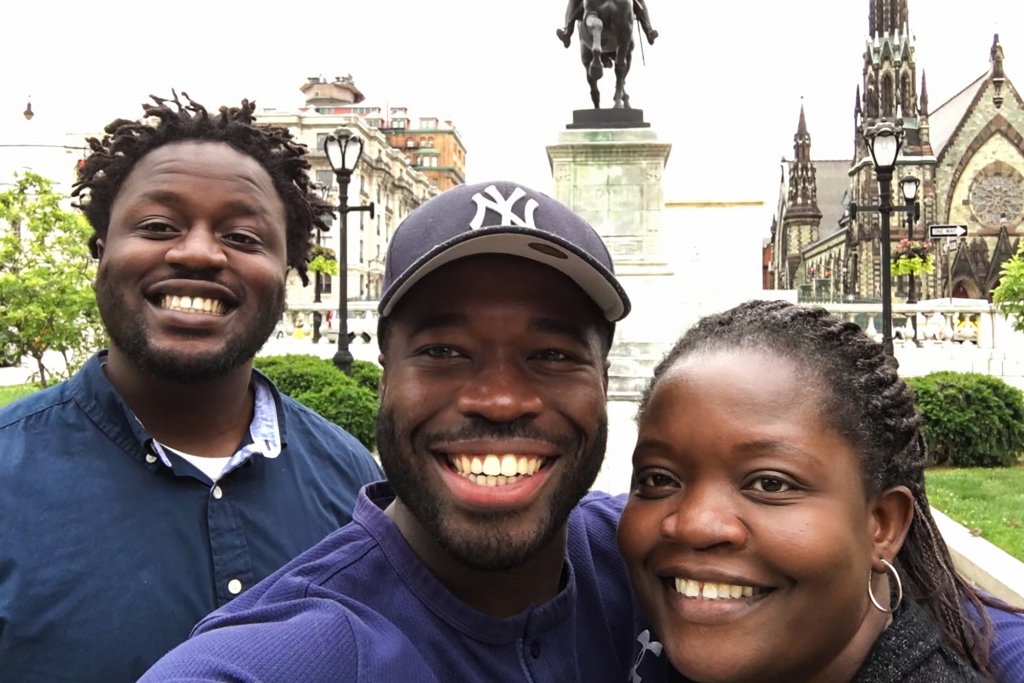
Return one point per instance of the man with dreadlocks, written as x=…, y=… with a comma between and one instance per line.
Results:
x=167, y=476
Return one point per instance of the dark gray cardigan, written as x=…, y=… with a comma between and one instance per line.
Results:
x=911, y=650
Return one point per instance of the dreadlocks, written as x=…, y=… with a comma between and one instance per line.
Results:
x=870, y=406
x=112, y=159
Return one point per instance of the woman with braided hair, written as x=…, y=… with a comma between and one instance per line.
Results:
x=778, y=529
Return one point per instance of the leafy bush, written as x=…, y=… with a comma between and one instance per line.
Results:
x=367, y=375
x=317, y=384
x=296, y=374
x=348, y=405
x=971, y=420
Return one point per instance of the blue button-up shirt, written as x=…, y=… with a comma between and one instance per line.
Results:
x=108, y=557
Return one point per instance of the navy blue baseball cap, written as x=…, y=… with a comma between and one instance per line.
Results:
x=500, y=218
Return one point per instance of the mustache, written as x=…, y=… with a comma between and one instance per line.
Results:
x=207, y=275
x=482, y=429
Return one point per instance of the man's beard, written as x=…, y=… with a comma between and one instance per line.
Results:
x=130, y=334
x=487, y=547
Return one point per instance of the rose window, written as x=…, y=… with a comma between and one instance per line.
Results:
x=998, y=199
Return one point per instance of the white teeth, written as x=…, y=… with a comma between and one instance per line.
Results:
x=190, y=304
x=492, y=466
x=503, y=470
x=509, y=465
x=712, y=591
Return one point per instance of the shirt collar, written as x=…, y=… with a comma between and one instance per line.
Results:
x=264, y=433
x=369, y=513
x=104, y=406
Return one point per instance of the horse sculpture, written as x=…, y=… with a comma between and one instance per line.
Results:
x=606, y=39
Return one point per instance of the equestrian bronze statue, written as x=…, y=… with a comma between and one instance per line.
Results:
x=606, y=40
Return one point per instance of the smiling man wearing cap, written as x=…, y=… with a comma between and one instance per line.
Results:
x=484, y=558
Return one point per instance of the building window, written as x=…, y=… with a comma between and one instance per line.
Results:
x=325, y=178
x=430, y=142
x=361, y=258
x=410, y=142
x=321, y=138
x=325, y=283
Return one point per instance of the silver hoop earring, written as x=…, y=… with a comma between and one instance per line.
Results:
x=899, y=589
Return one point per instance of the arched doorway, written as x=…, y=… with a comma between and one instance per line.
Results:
x=964, y=288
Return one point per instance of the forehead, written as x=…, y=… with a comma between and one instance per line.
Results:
x=201, y=171
x=498, y=285
x=756, y=386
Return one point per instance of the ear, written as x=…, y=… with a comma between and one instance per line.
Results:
x=99, y=249
x=382, y=384
x=891, y=511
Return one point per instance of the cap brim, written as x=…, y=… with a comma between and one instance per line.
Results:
x=592, y=277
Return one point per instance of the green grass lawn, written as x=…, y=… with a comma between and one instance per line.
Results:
x=989, y=502
x=13, y=393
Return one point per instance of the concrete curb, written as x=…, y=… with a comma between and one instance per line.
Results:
x=983, y=564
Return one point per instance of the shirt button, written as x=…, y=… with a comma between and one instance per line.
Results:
x=535, y=649
x=150, y=458
x=217, y=493
x=234, y=586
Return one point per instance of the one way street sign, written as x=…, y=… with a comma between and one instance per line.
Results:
x=937, y=231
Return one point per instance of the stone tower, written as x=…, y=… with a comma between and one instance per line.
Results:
x=802, y=217
x=890, y=72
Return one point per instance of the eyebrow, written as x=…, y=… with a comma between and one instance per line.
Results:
x=236, y=207
x=560, y=327
x=773, y=445
x=439, y=321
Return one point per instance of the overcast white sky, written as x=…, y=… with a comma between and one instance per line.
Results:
x=723, y=83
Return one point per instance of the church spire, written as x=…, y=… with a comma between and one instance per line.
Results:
x=803, y=190
x=888, y=17
x=924, y=93
x=998, y=74
x=802, y=139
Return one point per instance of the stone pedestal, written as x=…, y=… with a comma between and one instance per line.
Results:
x=612, y=178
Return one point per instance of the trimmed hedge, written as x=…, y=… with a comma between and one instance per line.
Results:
x=970, y=420
x=349, y=402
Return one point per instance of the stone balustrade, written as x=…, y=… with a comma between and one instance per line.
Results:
x=362, y=321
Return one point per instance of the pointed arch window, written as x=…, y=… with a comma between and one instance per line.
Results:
x=888, y=100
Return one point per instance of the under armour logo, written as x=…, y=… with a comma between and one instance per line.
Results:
x=504, y=207
x=646, y=645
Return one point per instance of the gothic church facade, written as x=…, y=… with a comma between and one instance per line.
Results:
x=968, y=154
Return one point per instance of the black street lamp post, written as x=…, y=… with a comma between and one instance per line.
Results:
x=884, y=140
x=343, y=149
x=909, y=187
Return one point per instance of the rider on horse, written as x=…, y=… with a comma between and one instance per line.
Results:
x=574, y=13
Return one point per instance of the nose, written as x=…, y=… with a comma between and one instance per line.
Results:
x=198, y=249
x=706, y=518
x=499, y=391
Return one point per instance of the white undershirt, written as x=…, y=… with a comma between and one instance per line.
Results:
x=211, y=467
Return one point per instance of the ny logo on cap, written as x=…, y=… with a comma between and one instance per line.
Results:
x=504, y=207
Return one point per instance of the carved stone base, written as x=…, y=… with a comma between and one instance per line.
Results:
x=596, y=119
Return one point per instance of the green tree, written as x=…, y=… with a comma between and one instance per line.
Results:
x=1009, y=295
x=47, y=304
